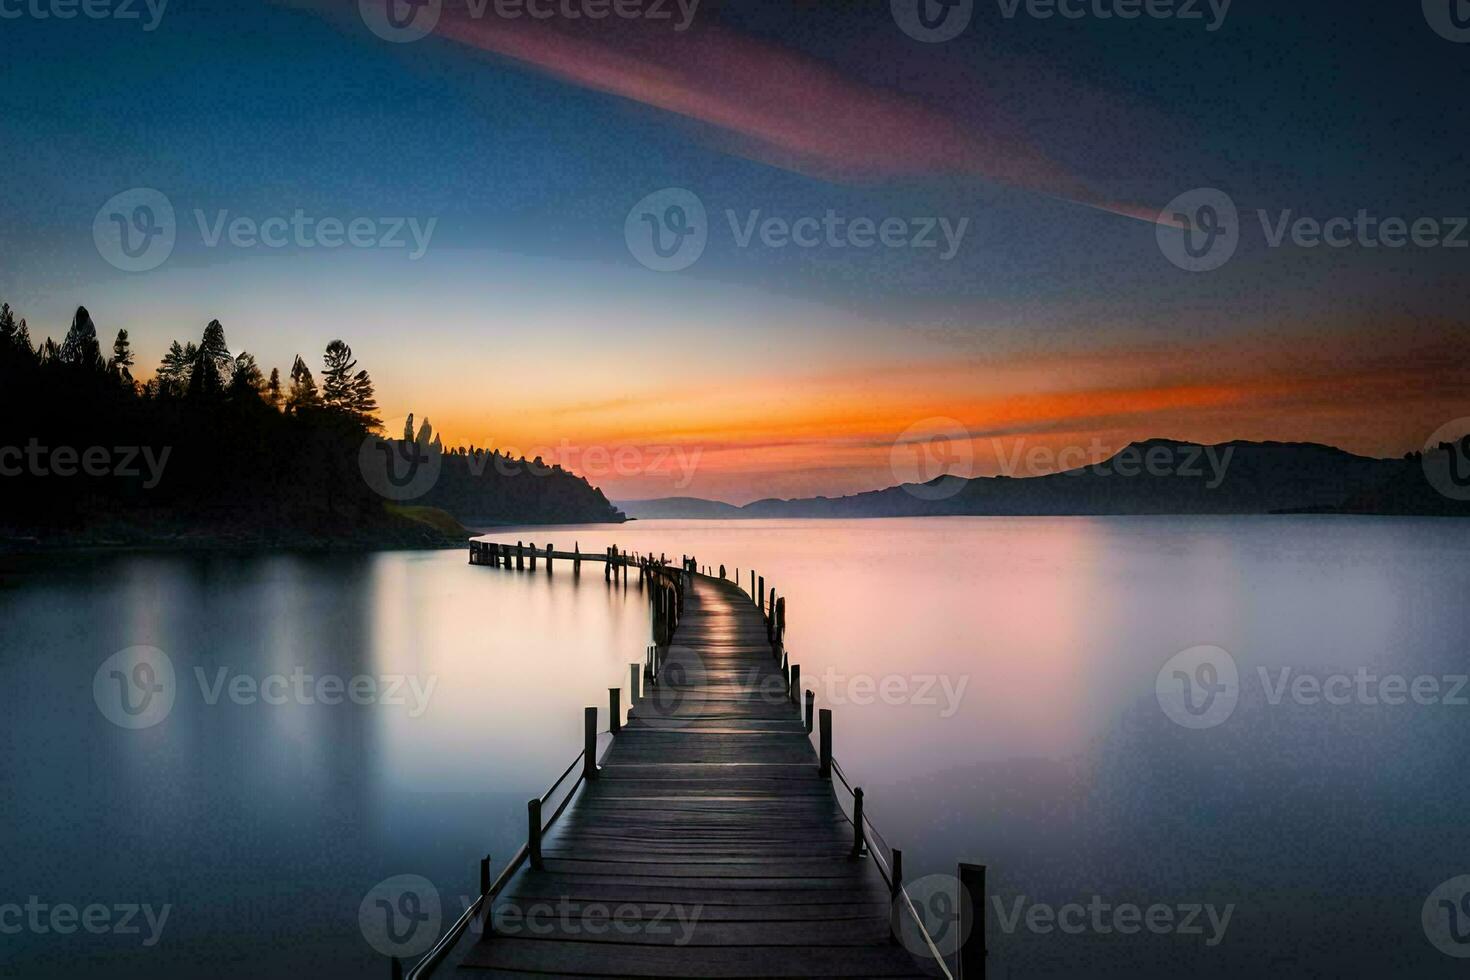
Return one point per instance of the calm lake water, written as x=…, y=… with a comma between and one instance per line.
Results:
x=1004, y=689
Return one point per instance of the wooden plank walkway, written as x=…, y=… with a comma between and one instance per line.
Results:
x=708, y=845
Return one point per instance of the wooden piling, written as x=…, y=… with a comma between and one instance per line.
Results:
x=811, y=704
x=532, y=549
x=589, y=743
x=520, y=557
x=533, y=834
x=973, y=951
x=614, y=710
x=794, y=688
x=824, y=743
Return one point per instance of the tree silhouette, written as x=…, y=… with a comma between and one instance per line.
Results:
x=273, y=389
x=303, y=393
x=80, y=348
x=348, y=393
x=122, y=359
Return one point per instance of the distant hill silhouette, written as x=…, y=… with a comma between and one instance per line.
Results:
x=1157, y=476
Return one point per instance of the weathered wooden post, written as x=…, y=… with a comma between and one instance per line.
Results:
x=973, y=952
x=520, y=557
x=794, y=690
x=548, y=558
x=576, y=558
x=896, y=872
x=533, y=833
x=722, y=573
x=760, y=596
x=858, y=836
x=811, y=704
x=533, y=556
x=396, y=970
x=607, y=564
x=633, y=692
x=484, y=874
x=614, y=710
x=589, y=743
x=781, y=621
x=824, y=743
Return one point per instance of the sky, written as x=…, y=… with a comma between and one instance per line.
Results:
x=1030, y=289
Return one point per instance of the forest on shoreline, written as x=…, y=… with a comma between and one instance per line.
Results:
x=212, y=450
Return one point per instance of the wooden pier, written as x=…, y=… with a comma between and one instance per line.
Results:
x=709, y=839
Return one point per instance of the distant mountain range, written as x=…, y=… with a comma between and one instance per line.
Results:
x=1157, y=476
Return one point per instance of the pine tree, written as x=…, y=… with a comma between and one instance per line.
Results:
x=408, y=428
x=246, y=381
x=8, y=326
x=303, y=393
x=173, y=371
x=337, y=375
x=122, y=359
x=212, y=345
x=273, y=389
x=80, y=348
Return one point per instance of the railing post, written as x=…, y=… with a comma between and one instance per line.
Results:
x=858, y=836
x=760, y=597
x=614, y=710
x=896, y=872
x=589, y=743
x=396, y=971
x=484, y=874
x=548, y=559
x=533, y=833
x=811, y=704
x=824, y=739
x=794, y=691
x=632, y=685
x=533, y=555
x=520, y=557
x=972, y=947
